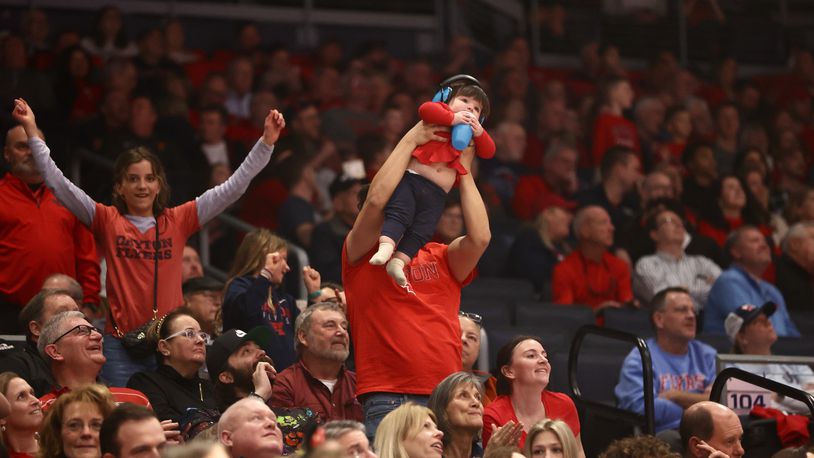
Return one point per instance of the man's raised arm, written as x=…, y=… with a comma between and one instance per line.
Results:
x=365, y=232
x=465, y=252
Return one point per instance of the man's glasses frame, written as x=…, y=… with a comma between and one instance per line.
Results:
x=84, y=330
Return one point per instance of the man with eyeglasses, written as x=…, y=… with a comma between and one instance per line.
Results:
x=683, y=368
x=319, y=379
x=24, y=360
x=73, y=349
x=670, y=265
x=471, y=326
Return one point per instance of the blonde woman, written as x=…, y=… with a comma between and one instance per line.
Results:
x=71, y=427
x=410, y=431
x=20, y=428
x=551, y=439
x=253, y=296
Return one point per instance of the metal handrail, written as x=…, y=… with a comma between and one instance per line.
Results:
x=647, y=375
x=733, y=372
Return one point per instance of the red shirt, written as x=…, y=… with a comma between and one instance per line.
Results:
x=532, y=195
x=435, y=151
x=558, y=406
x=120, y=395
x=612, y=130
x=131, y=267
x=407, y=339
x=39, y=237
x=296, y=387
x=578, y=280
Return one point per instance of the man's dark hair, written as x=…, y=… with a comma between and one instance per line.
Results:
x=34, y=308
x=695, y=422
x=723, y=106
x=691, y=150
x=660, y=300
x=734, y=237
x=212, y=108
x=124, y=412
x=615, y=155
x=673, y=111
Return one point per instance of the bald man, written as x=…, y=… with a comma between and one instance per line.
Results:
x=38, y=236
x=707, y=427
x=590, y=274
x=248, y=428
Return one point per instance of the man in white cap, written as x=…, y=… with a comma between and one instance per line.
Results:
x=752, y=333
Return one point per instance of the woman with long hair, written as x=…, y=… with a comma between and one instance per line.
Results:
x=253, y=295
x=20, y=429
x=730, y=213
x=523, y=395
x=410, y=431
x=551, y=439
x=108, y=37
x=175, y=386
x=141, y=238
x=71, y=427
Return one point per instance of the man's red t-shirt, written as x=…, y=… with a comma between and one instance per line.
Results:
x=579, y=280
x=612, y=130
x=558, y=406
x=532, y=195
x=407, y=339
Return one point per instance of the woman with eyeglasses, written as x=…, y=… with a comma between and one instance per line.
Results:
x=551, y=439
x=71, y=427
x=175, y=385
x=254, y=296
x=20, y=429
x=523, y=397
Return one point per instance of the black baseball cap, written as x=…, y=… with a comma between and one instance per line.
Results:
x=201, y=284
x=342, y=183
x=227, y=343
x=744, y=315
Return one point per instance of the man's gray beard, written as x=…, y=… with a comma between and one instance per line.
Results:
x=333, y=355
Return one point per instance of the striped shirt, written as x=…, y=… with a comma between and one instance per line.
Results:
x=661, y=270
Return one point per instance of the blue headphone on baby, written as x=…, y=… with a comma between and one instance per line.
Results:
x=453, y=82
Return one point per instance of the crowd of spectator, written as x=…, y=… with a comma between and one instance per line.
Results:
x=680, y=192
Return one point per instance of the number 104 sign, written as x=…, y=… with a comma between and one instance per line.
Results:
x=742, y=396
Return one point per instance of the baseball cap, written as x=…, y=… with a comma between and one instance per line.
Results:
x=218, y=353
x=744, y=315
x=342, y=183
x=201, y=284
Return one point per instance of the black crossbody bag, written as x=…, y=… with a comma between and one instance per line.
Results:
x=135, y=342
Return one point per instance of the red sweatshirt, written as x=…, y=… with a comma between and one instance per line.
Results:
x=40, y=237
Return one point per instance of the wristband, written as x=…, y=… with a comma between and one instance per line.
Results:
x=314, y=294
x=257, y=396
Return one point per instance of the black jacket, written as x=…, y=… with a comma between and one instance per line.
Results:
x=171, y=394
x=795, y=283
x=24, y=360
